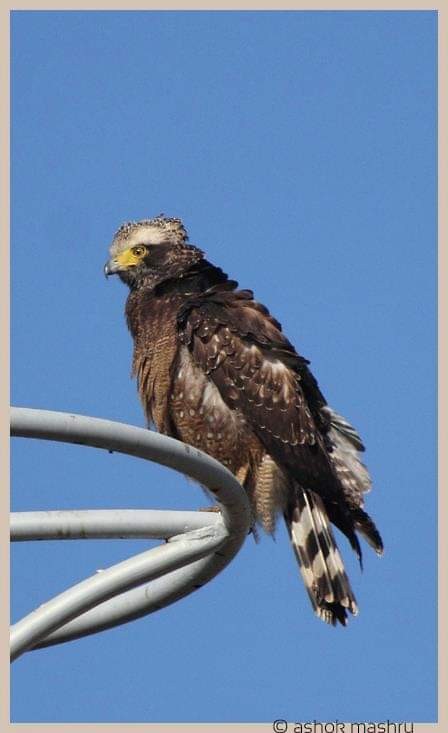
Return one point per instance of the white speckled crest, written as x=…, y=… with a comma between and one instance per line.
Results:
x=149, y=231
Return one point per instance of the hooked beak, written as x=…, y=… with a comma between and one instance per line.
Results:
x=111, y=268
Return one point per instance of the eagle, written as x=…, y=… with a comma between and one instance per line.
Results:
x=215, y=370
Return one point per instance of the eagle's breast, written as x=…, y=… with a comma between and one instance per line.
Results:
x=153, y=325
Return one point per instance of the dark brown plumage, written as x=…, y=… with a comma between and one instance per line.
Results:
x=215, y=370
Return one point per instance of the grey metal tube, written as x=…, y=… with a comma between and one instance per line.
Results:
x=141, y=601
x=112, y=436
x=127, y=574
x=76, y=524
x=235, y=517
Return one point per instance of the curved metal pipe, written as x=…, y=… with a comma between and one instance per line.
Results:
x=230, y=528
x=76, y=524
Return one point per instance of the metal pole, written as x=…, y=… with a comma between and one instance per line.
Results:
x=168, y=583
x=107, y=583
x=112, y=436
x=75, y=524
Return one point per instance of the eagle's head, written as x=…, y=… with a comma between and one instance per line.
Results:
x=150, y=251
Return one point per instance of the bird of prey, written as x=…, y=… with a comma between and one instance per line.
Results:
x=215, y=370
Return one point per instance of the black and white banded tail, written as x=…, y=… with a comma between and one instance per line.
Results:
x=319, y=560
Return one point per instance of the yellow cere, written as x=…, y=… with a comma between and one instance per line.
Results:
x=131, y=256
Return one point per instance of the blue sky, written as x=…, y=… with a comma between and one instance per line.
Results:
x=299, y=149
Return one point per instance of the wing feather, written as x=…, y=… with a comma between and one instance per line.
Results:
x=258, y=372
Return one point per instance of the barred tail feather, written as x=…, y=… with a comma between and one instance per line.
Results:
x=319, y=560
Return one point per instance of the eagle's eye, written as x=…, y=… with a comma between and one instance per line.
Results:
x=139, y=251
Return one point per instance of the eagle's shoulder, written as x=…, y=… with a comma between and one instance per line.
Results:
x=241, y=347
